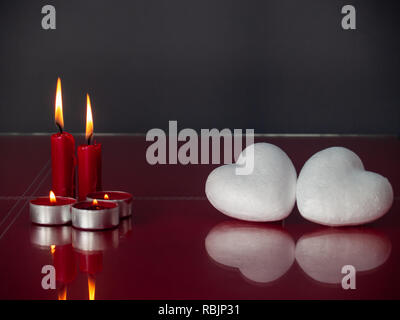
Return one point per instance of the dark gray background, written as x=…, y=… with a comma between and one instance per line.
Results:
x=276, y=66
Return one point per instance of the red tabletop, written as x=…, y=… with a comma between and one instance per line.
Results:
x=161, y=252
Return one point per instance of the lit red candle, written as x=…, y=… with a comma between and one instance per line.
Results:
x=89, y=159
x=62, y=153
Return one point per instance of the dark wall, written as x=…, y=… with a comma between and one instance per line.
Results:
x=277, y=66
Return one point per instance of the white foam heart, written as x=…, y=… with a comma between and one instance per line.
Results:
x=261, y=253
x=334, y=189
x=267, y=194
x=322, y=254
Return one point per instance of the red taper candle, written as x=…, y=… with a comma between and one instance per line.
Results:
x=89, y=160
x=62, y=154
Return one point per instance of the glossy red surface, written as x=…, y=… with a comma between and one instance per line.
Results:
x=163, y=251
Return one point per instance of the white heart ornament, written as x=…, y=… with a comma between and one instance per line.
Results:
x=268, y=193
x=334, y=189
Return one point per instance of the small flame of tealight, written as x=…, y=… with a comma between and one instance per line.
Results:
x=52, y=197
x=106, y=197
x=52, y=249
x=95, y=203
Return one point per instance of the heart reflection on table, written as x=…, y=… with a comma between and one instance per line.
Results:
x=263, y=253
x=322, y=254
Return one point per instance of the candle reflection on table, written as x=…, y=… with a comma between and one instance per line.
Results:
x=90, y=246
x=46, y=237
x=94, y=241
x=125, y=228
x=263, y=253
x=65, y=264
x=70, y=248
x=59, y=242
x=91, y=287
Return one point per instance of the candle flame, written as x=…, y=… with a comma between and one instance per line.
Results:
x=106, y=197
x=91, y=287
x=59, y=108
x=95, y=203
x=53, y=248
x=89, y=118
x=62, y=294
x=52, y=197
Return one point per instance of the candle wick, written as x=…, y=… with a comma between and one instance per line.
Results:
x=59, y=127
x=89, y=140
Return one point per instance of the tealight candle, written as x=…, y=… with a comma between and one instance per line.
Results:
x=123, y=199
x=95, y=215
x=51, y=210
